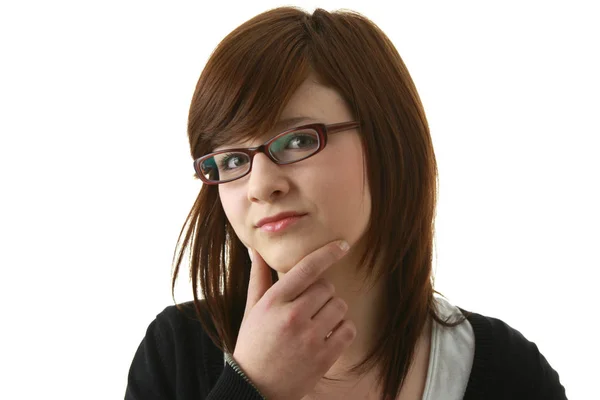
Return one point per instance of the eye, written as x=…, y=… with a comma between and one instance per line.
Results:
x=232, y=160
x=301, y=141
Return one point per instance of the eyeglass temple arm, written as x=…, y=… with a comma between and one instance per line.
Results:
x=342, y=126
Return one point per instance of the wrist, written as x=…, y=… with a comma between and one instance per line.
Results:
x=235, y=366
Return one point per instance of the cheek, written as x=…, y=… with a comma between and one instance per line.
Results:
x=233, y=206
x=352, y=194
x=346, y=198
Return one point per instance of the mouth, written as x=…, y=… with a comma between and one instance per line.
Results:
x=280, y=224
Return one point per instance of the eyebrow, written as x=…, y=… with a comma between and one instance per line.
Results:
x=283, y=124
x=280, y=126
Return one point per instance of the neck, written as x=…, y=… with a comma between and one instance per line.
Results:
x=366, y=305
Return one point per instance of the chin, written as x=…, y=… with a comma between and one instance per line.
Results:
x=281, y=264
x=282, y=259
x=285, y=252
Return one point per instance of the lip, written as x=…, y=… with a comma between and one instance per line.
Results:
x=280, y=225
x=279, y=217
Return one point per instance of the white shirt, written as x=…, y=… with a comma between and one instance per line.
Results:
x=450, y=357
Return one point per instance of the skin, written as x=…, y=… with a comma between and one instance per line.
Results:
x=331, y=188
x=328, y=186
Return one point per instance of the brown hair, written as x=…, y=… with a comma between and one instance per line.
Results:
x=241, y=93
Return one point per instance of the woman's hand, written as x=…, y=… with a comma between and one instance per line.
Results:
x=293, y=331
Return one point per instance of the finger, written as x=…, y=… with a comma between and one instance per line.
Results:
x=260, y=280
x=342, y=335
x=330, y=315
x=312, y=300
x=309, y=269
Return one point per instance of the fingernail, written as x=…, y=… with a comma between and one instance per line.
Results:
x=343, y=245
x=250, y=254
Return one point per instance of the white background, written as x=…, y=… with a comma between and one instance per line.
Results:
x=96, y=176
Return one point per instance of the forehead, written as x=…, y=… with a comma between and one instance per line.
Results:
x=312, y=102
x=317, y=101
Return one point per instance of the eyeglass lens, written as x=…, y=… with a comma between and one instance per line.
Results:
x=285, y=149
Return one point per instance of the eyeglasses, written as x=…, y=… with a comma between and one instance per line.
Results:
x=288, y=147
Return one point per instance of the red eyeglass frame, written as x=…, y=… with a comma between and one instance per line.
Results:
x=322, y=130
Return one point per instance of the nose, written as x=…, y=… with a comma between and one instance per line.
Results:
x=267, y=182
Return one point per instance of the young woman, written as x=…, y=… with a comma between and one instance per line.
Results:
x=311, y=239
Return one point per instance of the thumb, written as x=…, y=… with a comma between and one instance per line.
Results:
x=260, y=280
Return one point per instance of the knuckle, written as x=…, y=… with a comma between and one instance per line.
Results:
x=325, y=286
x=348, y=331
x=330, y=287
x=291, y=319
x=314, y=264
x=268, y=302
x=339, y=304
x=305, y=269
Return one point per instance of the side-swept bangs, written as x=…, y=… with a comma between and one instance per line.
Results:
x=248, y=81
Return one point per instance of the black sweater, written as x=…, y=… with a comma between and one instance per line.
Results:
x=176, y=360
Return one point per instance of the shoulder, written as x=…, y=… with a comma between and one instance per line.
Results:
x=175, y=355
x=178, y=316
x=176, y=331
x=178, y=328
x=506, y=360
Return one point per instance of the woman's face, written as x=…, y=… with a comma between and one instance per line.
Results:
x=328, y=187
